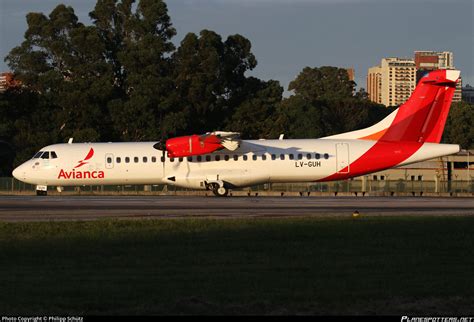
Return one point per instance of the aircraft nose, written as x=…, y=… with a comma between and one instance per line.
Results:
x=18, y=172
x=15, y=173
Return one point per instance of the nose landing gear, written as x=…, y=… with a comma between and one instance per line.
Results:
x=41, y=190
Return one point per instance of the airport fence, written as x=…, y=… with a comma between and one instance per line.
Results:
x=13, y=186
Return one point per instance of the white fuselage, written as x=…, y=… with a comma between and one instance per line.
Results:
x=254, y=162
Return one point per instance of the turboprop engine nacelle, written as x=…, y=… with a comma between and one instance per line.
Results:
x=185, y=146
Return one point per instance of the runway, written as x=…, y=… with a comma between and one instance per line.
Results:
x=65, y=208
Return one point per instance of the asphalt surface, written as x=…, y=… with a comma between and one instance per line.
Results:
x=64, y=208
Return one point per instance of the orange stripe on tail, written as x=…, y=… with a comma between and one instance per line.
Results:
x=374, y=137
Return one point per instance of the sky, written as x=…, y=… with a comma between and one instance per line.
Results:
x=288, y=35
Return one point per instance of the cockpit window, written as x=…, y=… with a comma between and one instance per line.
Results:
x=45, y=155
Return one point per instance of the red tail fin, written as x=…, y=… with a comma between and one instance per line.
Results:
x=421, y=119
x=423, y=116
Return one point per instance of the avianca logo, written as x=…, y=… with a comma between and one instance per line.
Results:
x=82, y=174
x=88, y=156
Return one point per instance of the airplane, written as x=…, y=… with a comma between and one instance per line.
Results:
x=219, y=161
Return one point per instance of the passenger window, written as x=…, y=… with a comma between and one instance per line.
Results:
x=53, y=155
x=180, y=159
x=162, y=159
x=127, y=160
x=254, y=157
x=291, y=156
x=37, y=155
x=153, y=159
x=145, y=159
x=264, y=157
x=190, y=159
x=109, y=160
x=208, y=158
x=226, y=157
x=118, y=160
x=218, y=158
x=326, y=156
x=244, y=157
x=45, y=155
x=274, y=157
x=171, y=159
x=318, y=156
x=282, y=157
x=236, y=157
x=308, y=156
x=300, y=156
x=135, y=159
x=199, y=158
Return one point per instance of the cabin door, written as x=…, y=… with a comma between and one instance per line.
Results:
x=342, y=158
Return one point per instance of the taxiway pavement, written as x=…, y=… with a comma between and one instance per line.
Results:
x=64, y=208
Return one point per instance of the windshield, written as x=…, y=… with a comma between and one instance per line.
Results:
x=45, y=155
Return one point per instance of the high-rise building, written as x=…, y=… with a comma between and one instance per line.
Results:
x=468, y=94
x=430, y=60
x=350, y=73
x=7, y=81
x=392, y=82
x=374, y=84
x=457, y=97
x=3, y=82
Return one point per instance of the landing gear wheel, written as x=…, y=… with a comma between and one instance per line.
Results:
x=220, y=191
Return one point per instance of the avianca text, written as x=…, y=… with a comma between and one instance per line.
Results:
x=81, y=174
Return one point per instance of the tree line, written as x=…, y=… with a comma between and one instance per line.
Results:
x=122, y=79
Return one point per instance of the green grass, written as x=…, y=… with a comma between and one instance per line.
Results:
x=382, y=265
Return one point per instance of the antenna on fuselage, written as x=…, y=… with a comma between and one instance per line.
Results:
x=70, y=140
x=281, y=136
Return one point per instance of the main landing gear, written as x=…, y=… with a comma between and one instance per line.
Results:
x=218, y=188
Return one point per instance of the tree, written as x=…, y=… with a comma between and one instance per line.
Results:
x=61, y=59
x=25, y=126
x=199, y=80
x=329, y=91
x=209, y=78
x=255, y=116
x=352, y=114
x=323, y=83
x=138, y=46
x=460, y=125
x=298, y=118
